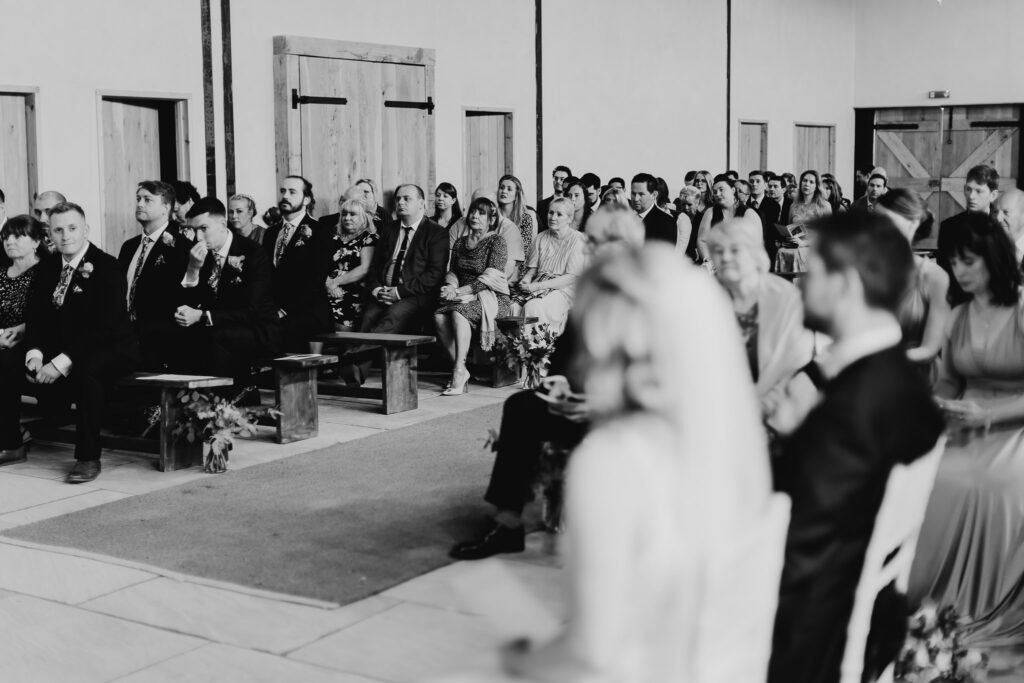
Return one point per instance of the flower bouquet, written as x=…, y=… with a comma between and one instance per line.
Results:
x=528, y=351
x=549, y=484
x=933, y=652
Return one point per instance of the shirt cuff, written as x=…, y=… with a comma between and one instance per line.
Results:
x=62, y=363
x=208, y=318
x=398, y=297
x=190, y=280
x=33, y=354
x=376, y=292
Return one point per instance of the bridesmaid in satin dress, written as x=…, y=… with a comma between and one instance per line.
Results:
x=971, y=551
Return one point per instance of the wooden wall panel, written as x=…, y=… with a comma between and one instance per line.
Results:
x=753, y=152
x=406, y=156
x=131, y=152
x=15, y=176
x=814, y=149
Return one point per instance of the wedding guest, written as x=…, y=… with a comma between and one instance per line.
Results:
x=372, y=198
x=446, y=205
x=475, y=292
x=592, y=183
x=768, y=210
x=836, y=464
x=556, y=412
x=833, y=193
x=241, y=214
x=702, y=181
x=153, y=263
x=515, y=265
x=877, y=187
x=686, y=234
x=969, y=550
x=924, y=311
x=649, y=531
x=185, y=197
x=78, y=338
x=691, y=202
x=45, y=201
x=726, y=206
x=777, y=192
x=228, y=320
x=644, y=195
x=558, y=178
x=743, y=191
x=300, y=252
x=664, y=203
x=576, y=191
x=617, y=182
x=512, y=204
x=810, y=203
x=354, y=242
x=980, y=189
x=768, y=309
x=615, y=198
x=23, y=239
x=1008, y=210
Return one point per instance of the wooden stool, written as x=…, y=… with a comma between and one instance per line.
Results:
x=295, y=391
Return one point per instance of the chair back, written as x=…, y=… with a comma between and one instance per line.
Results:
x=891, y=550
x=741, y=597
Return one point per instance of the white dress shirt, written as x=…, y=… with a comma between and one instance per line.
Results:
x=1019, y=243
x=155, y=237
x=60, y=361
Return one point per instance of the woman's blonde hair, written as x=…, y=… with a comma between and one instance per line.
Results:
x=615, y=196
x=570, y=208
x=358, y=206
x=738, y=231
x=615, y=223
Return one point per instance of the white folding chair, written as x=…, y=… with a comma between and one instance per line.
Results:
x=890, y=552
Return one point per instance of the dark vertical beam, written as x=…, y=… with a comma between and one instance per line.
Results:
x=538, y=39
x=229, y=98
x=211, y=148
x=728, y=82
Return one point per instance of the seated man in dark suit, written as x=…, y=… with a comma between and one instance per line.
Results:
x=154, y=263
x=767, y=208
x=559, y=176
x=228, y=320
x=77, y=333
x=658, y=225
x=300, y=252
x=876, y=411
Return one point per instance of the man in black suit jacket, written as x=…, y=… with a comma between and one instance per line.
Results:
x=77, y=333
x=559, y=176
x=408, y=268
x=767, y=208
x=228, y=320
x=876, y=411
x=980, y=191
x=658, y=225
x=154, y=263
x=301, y=255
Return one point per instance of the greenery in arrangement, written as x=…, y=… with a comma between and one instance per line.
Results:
x=528, y=351
x=933, y=651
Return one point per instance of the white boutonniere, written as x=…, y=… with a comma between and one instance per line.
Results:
x=159, y=260
x=236, y=263
x=304, y=234
x=85, y=270
x=168, y=239
x=189, y=234
x=76, y=289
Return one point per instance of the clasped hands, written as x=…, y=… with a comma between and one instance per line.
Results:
x=186, y=316
x=449, y=293
x=387, y=295
x=9, y=338
x=36, y=372
x=965, y=414
x=527, y=287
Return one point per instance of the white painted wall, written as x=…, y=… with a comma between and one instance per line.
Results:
x=71, y=50
x=793, y=62
x=637, y=86
x=905, y=48
x=485, y=58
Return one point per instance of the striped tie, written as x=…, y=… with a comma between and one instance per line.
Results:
x=146, y=244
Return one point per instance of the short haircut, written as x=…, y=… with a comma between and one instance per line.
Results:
x=771, y=176
x=723, y=178
x=559, y=201
x=373, y=186
x=67, y=207
x=307, y=191
x=419, y=190
x=52, y=194
x=210, y=205
x=617, y=179
x=885, y=181
x=24, y=226
x=870, y=244
x=763, y=174
x=980, y=234
x=185, y=191
x=732, y=174
x=564, y=169
x=984, y=175
x=688, y=178
x=591, y=180
x=647, y=179
x=159, y=188
x=245, y=198
x=741, y=183
x=489, y=208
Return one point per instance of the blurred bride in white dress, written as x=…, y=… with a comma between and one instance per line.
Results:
x=674, y=541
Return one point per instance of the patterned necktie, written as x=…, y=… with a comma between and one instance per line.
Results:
x=286, y=233
x=147, y=242
x=62, y=286
x=396, y=272
x=218, y=266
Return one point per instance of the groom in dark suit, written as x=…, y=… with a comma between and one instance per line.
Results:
x=228, y=320
x=876, y=411
x=77, y=333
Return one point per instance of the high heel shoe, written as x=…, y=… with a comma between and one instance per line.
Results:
x=455, y=387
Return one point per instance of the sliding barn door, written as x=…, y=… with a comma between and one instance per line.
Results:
x=17, y=152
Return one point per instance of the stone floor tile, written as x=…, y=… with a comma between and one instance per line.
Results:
x=231, y=617
x=45, y=641
x=59, y=507
x=216, y=663
x=18, y=492
x=63, y=578
x=408, y=642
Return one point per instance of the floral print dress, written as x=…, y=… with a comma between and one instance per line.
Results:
x=348, y=255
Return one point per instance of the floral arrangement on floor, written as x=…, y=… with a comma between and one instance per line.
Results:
x=528, y=351
x=933, y=651
x=216, y=420
x=549, y=484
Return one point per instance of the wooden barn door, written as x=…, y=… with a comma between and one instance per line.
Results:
x=930, y=150
x=17, y=151
x=346, y=111
x=753, y=147
x=814, y=148
x=487, y=141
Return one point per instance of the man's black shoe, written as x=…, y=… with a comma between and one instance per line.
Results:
x=84, y=471
x=501, y=539
x=13, y=455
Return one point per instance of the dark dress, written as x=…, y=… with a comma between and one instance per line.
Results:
x=748, y=328
x=348, y=308
x=468, y=265
x=14, y=295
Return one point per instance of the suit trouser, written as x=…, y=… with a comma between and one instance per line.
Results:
x=526, y=424
x=12, y=379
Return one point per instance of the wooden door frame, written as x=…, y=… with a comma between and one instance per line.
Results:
x=30, y=94
x=763, y=161
x=509, y=115
x=287, y=122
x=831, y=143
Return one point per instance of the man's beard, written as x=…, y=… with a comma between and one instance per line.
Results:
x=286, y=206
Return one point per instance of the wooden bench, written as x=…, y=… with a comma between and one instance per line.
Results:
x=295, y=392
x=398, y=368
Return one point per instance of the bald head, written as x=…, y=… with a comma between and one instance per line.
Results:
x=44, y=202
x=1009, y=211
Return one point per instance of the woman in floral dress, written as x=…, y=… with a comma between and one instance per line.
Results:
x=354, y=241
